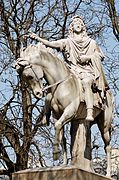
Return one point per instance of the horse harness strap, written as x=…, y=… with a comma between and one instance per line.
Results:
x=58, y=82
x=55, y=84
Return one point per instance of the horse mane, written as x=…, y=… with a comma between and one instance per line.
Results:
x=31, y=50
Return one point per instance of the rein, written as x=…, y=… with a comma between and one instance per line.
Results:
x=55, y=84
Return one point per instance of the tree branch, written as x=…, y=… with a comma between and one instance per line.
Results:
x=113, y=17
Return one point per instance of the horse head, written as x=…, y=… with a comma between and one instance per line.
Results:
x=32, y=74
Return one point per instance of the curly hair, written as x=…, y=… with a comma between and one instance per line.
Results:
x=71, y=27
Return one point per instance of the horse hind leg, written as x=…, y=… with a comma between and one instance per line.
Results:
x=108, y=151
x=106, y=136
x=107, y=147
x=104, y=125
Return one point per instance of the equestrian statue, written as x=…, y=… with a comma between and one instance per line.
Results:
x=77, y=88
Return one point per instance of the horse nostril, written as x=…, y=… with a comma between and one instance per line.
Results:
x=37, y=93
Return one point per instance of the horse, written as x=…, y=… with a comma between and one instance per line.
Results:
x=64, y=93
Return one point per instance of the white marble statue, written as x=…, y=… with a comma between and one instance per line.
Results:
x=80, y=75
x=84, y=58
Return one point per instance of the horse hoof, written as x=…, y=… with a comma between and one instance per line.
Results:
x=56, y=155
x=108, y=175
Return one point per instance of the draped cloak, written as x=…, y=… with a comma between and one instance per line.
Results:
x=86, y=46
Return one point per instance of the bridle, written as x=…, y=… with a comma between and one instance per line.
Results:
x=48, y=86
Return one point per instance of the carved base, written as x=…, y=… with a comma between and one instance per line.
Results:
x=57, y=173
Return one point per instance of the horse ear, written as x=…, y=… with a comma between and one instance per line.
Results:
x=21, y=64
x=17, y=67
x=22, y=51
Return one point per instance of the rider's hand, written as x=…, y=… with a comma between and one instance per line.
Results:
x=33, y=35
x=85, y=59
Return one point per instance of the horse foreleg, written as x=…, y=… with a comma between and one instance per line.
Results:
x=108, y=152
x=47, y=107
x=64, y=150
x=67, y=115
x=56, y=148
x=56, y=151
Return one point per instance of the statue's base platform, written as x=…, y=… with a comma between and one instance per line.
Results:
x=57, y=173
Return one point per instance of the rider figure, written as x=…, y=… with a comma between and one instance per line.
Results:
x=82, y=54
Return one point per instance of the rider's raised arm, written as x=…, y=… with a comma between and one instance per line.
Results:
x=59, y=44
x=53, y=44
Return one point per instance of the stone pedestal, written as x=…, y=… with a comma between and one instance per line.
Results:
x=57, y=173
x=81, y=144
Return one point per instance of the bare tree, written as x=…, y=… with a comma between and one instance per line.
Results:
x=20, y=113
x=114, y=16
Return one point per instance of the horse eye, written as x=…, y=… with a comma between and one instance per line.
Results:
x=30, y=77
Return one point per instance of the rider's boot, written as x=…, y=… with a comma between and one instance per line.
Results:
x=90, y=114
